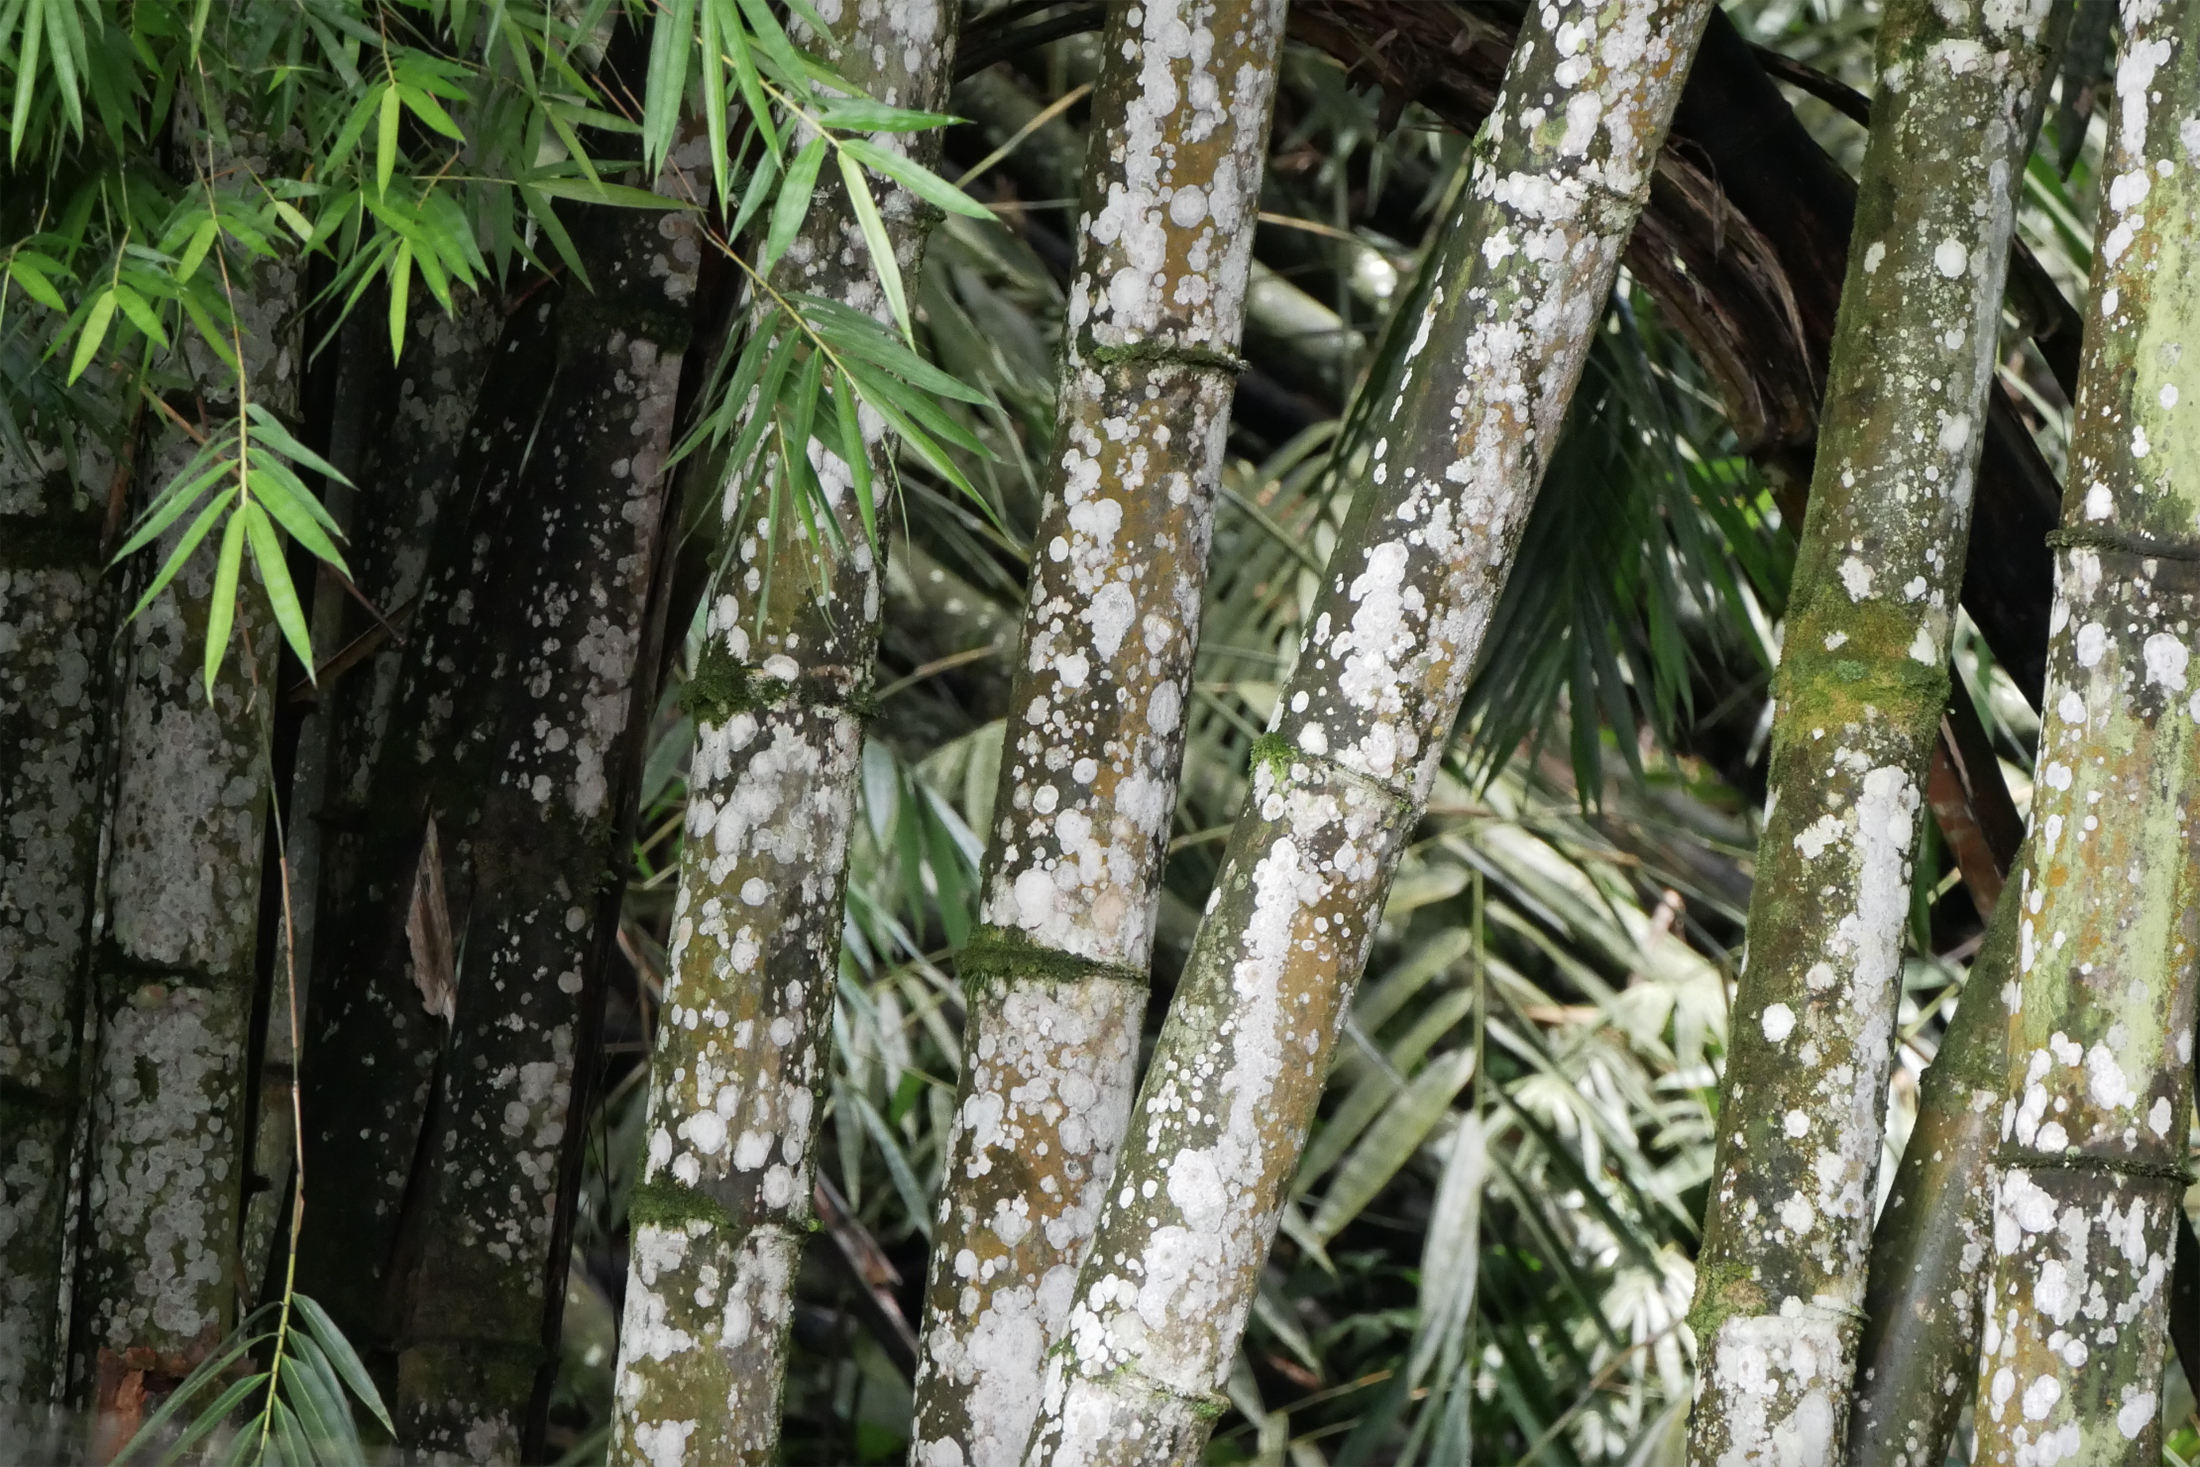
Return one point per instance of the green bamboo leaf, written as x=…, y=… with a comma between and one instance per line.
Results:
x=760, y=418
x=209, y=1369
x=221, y=612
x=546, y=219
x=178, y=497
x=862, y=114
x=35, y=285
x=297, y=1393
x=810, y=16
x=385, y=140
x=727, y=397
x=269, y=429
x=424, y=106
x=282, y=593
x=92, y=333
x=736, y=37
x=759, y=189
x=714, y=102
x=297, y=1450
x=198, y=531
x=917, y=178
x=913, y=1199
x=310, y=1379
x=34, y=24
x=341, y=1356
x=354, y=128
x=881, y=247
x=670, y=37
x=400, y=274
x=288, y=504
x=855, y=454
x=141, y=314
x=208, y=1420
x=794, y=201
x=617, y=195
x=786, y=62
x=1391, y=1141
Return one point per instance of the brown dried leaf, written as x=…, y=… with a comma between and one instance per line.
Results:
x=428, y=929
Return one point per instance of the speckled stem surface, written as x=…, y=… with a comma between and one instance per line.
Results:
x=736, y=1084
x=1862, y=683
x=2099, y=1080
x=374, y=1047
x=1560, y=174
x=1072, y=872
x=55, y=620
x=173, y=966
x=1915, y=1365
x=551, y=663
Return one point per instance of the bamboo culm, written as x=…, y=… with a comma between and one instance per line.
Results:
x=57, y=615
x=2098, y=1089
x=736, y=1084
x=1857, y=713
x=174, y=967
x=1916, y=1359
x=1072, y=872
x=1559, y=176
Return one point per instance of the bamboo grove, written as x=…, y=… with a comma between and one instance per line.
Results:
x=1022, y=733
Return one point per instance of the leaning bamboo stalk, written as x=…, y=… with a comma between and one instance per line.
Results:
x=55, y=617
x=1360, y=731
x=1863, y=683
x=1919, y=1347
x=2098, y=1089
x=1056, y=976
x=741, y=1064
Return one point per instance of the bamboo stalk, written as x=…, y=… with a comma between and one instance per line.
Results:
x=1072, y=874
x=57, y=616
x=1916, y=1357
x=1862, y=686
x=173, y=972
x=548, y=680
x=365, y=1095
x=1162, y=1299
x=2098, y=1087
x=739, y=1075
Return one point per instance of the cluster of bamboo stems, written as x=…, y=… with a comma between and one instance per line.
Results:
x=1100, y=1234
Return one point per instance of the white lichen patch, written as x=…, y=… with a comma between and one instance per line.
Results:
x=166, y=1169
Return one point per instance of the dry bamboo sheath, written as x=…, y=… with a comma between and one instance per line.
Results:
x=723, y=1204
x=1560, y=175
x=2098, y=1089
x=1056, y=976
x=1780, y=1281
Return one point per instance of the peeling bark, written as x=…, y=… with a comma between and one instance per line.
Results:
x=55, y=620
x=1857, y=716
x=1358, y=734
x=737, y=1081
x=2098, y=1087
x=1917, y=1356
x=1072, y=873
x=173, y=969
